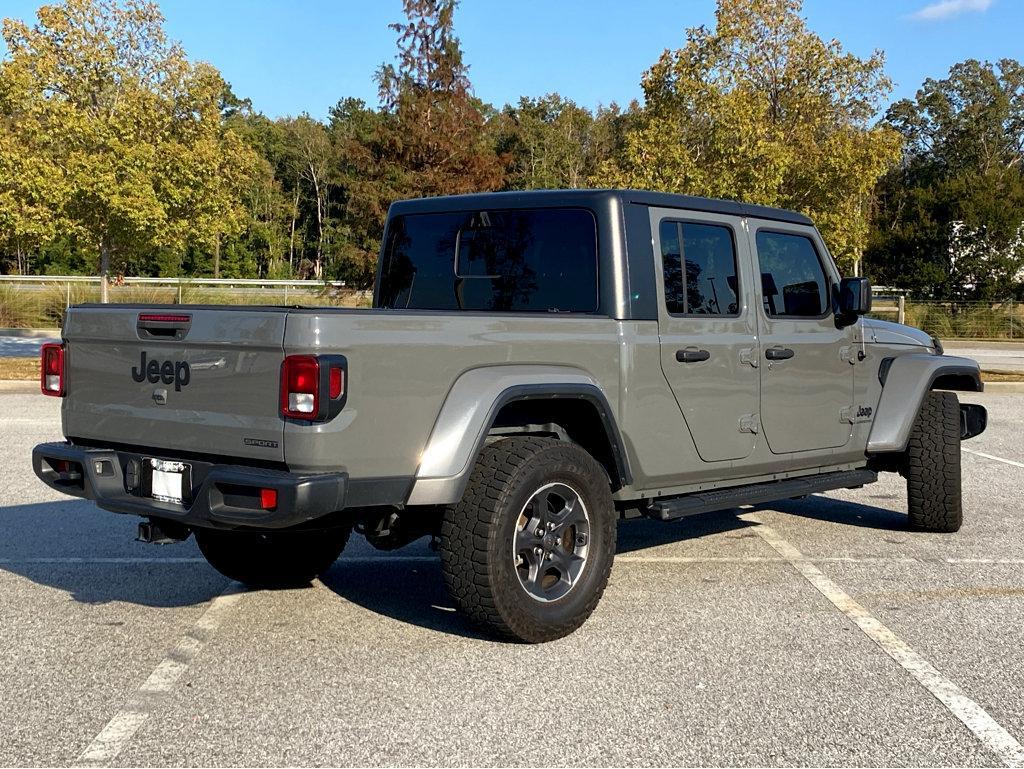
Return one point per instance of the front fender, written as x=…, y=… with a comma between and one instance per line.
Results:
x=468, y=411
x=907, y=381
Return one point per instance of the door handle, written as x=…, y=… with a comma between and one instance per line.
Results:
x=692, y=356
x=778, y=353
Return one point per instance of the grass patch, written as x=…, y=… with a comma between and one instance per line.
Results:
x=19, y=368
x=991, y=376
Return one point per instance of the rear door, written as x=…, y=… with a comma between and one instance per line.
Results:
x=707, y=328
x=806, y=371
x=186, y=379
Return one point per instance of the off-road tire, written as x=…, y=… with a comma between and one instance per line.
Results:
x=477, y=535
x=933, y=465
x=275, y=559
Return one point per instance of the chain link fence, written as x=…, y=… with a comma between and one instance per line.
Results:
x=40, y=302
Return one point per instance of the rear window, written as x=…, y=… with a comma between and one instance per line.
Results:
x=524, y=260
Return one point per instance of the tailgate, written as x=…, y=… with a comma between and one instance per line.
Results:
x=183, y=378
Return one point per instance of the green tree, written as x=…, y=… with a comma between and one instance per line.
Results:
x=950, y=219
x=368, y=181
x=763, y=110
x=553, y=143
x=128, y=128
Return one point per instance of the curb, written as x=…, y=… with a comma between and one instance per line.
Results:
x=1004, y=388
x=19, y=386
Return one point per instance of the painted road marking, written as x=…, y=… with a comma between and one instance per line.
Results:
x=680, y=559
x=992, y=457
x=113, y=738
x=969, y=712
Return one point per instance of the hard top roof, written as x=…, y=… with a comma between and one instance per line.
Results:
x=590, y=198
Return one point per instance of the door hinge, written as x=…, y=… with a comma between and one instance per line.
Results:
x=749, y=423
x=748, y=355
x=847, y=353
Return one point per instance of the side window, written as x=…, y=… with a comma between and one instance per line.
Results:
x=793, y=283
x=700, y=269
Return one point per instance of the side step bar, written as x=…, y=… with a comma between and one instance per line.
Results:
x=756, y=493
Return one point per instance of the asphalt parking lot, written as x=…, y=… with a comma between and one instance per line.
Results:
x=811, y=632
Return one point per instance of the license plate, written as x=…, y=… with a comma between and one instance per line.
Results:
x=167, y=482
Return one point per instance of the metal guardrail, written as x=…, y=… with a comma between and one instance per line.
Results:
x=172, y=281
x=39, y=301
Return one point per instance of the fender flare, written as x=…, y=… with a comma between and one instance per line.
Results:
x=470, y=409
x=905, y=383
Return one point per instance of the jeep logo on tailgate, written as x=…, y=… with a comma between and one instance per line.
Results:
x=169, y=372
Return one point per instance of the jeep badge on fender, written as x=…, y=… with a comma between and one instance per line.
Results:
x=168, y=372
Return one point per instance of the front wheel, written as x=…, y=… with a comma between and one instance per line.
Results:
x=527, y=552
x=272, y=559
x=933, y=465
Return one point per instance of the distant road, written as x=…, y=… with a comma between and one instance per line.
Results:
x=993, y=356
x=22, y=346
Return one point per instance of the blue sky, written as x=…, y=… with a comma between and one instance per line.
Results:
x=303, y=55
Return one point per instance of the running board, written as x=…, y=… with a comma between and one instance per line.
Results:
x=756, y=493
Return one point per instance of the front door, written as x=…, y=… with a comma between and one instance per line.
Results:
x=707, y=328
x=806, y=362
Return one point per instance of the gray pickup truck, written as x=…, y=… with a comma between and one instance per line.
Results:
x=535, y=366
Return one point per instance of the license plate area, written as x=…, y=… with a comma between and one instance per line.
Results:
x=169, y=481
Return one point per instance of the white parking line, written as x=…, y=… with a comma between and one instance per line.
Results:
x=113, y=738
x=679, y=559
x=992, y=457
x=969, y=712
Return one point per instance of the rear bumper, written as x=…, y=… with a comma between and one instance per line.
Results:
x=222, y=496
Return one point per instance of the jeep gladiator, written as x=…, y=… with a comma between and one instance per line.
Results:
x=535, y=366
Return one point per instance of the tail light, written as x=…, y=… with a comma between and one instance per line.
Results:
x=51, y=369
x=300, y=387
x=313, y=387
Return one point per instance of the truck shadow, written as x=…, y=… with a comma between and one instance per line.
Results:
x=844, y=512
x=403, y=589
x=91, y=555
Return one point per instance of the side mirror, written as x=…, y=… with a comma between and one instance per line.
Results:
x=854, y=296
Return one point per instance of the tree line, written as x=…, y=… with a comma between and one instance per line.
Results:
x=120, y=155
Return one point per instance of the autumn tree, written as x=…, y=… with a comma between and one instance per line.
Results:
x=950, y=219
x=761, y=109
x=436, y=138
x=126, y=128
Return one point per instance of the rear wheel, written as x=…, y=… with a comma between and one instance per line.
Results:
x=527, y=552
x=933, y=465
x=272, y=559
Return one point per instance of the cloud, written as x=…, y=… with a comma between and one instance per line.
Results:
x=947, y=9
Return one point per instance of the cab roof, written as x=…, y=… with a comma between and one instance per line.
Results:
x=598, y=199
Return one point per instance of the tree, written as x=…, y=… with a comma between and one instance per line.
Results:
x=129, y=128
x=437, y=136
x=763, y=110
x=950, y=220
x=310, y=159
x=360, y=138
x=552, y=143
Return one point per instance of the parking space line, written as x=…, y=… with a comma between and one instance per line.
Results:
x=993, y=457
x=113, y=738
x=679, y=559
x=967, y=711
